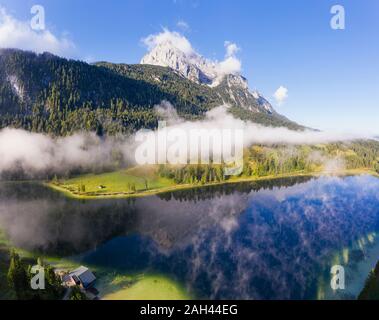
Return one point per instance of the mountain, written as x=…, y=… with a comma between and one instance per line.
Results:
x=252, y=107
x=46, y=93
x=190, y=65
x=232, y=88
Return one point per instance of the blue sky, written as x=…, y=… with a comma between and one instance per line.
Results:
x=332, y=76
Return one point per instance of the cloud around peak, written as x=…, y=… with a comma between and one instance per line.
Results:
x=18, y=34
x=173, y=38
x=231, y=49
x=230, y=65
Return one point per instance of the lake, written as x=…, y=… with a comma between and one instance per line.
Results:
x=273, y=239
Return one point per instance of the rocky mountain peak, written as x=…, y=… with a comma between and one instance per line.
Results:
x=189, y=64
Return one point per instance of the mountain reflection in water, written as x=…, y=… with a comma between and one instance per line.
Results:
x=262, y=240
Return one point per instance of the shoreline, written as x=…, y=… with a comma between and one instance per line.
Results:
x=152, y=192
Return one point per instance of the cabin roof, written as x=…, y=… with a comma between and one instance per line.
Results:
x=85, y=276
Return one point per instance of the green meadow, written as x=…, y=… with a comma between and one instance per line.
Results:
x=141, y=287
x=127, y=181
x=145, y=181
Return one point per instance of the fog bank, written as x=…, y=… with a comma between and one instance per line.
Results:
x=36, y=152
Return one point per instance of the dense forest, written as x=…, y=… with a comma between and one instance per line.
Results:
x=45, y=93
x=19, y=279
x=260, y=161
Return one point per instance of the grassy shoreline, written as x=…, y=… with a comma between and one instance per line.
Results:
x=176, y=187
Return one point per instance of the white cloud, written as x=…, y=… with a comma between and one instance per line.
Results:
x=230, y=65
x=183, y=25
x=36, y=152
x=172, y=37
x=18, y=34
x=231, y=49
x=254, y=133
x=281, y=95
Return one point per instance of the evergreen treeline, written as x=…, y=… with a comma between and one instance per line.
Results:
x=190, y=99
x=192, y=174
x=44, y=93
x=260, y=161
x=19, y=279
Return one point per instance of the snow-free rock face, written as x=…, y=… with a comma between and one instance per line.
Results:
x=233, y=88
x=190, y=65
x=263, y=102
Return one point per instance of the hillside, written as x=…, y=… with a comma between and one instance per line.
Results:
x=46, y=93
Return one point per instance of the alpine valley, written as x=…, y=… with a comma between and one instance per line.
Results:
x=104, y=227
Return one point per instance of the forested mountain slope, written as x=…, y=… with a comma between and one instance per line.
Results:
x=46, y=93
